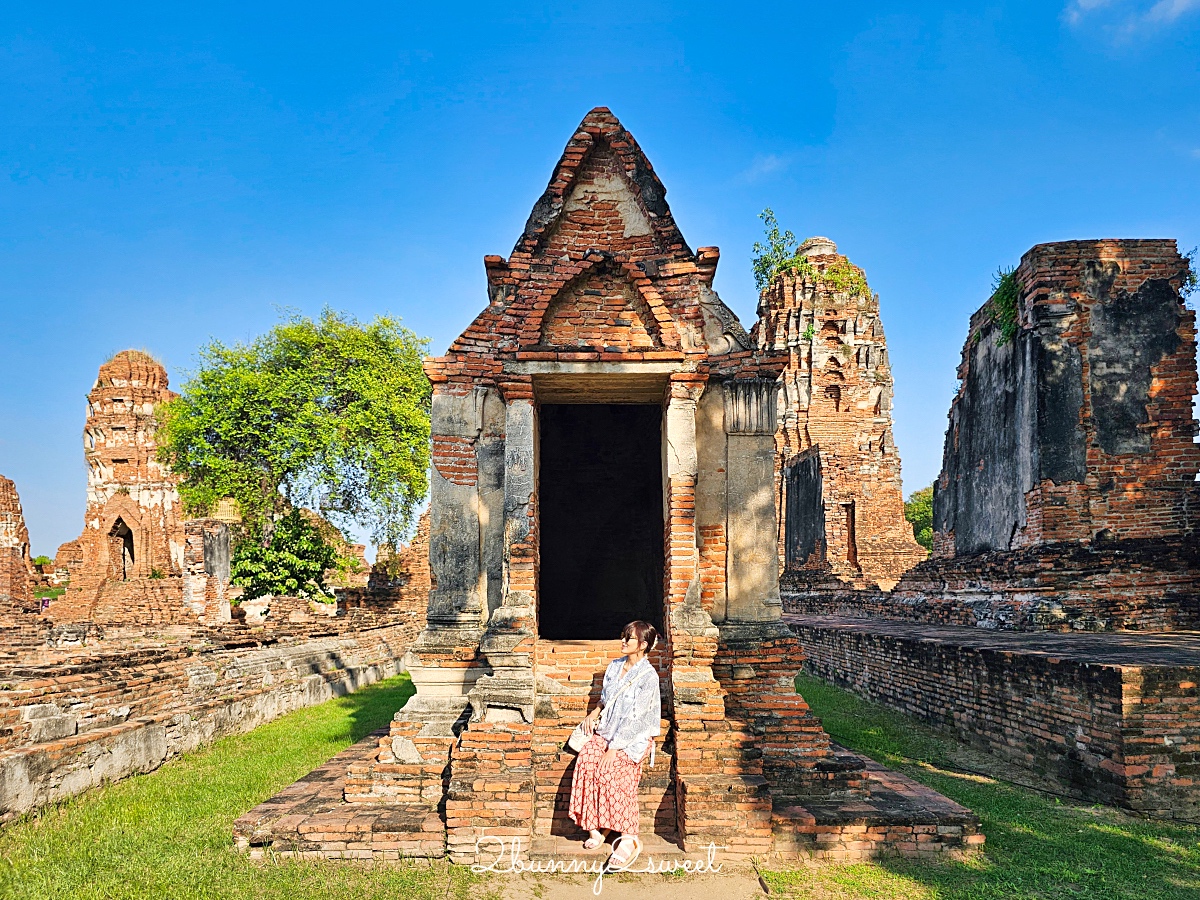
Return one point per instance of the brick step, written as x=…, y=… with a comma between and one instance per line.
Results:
x=661, y=845
x=552, y=790
x=309, y=818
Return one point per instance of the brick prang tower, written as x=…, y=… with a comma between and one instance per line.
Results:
x=841, y=503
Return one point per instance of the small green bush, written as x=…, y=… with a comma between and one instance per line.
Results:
x=293, y=564
x=1002, y=305
x=1191, y=278
x=42, y=561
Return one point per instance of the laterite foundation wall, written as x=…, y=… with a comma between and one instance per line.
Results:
x=1122, y=735
x=67, y=726
x=1146, y=585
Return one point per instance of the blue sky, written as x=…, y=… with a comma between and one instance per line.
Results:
x=168, y=176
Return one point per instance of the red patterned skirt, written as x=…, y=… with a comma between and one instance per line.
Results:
x=607, y=800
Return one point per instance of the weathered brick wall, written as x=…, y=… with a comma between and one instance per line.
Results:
x=73, y=721
x=1137, y=585
x=846, y=517
x=16, y=596
x=1081, y=426
x=1121, y=735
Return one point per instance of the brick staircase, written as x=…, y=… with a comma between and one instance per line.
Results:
x=569, y=677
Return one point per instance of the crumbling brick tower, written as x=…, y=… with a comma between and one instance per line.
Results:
x=1067, y=497
x=840, y=500
x=133, y=532
x=1097, y=381
x=15, y=562
x=603, y=450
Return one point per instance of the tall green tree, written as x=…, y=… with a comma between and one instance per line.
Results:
x=918, y=509
x=330, y=414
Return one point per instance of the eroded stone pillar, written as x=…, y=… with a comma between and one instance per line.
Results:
x=752, y=528
x=491, y=772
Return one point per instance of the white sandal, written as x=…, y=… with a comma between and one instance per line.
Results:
x=617, y=861
x=593, y=843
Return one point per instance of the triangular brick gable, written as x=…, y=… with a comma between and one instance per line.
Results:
x=600, y=272
x=600, y=152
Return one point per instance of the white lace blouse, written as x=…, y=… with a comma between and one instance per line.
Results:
x=633, y=719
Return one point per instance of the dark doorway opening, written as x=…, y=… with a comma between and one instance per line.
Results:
x=804, y=513
x=120, y=550
x=601, y=519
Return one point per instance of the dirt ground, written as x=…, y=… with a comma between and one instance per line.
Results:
x=732, y=883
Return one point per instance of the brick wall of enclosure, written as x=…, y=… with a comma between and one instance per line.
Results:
x=72, y=722
x=1137, y=585
x=1121, y=735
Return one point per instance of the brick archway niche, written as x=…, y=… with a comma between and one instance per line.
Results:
x=602, y=305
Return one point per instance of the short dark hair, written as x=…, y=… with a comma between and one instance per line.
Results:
x=642, y=631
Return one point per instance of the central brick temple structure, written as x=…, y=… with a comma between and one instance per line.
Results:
x=604, y=449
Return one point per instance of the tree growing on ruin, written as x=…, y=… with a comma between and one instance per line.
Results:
x=780, y=253
x=330, y=414
x=918, y=509
x=777, y=254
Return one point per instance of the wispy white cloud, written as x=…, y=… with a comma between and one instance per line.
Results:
x=1125, y=18
x=1077, y=9
x=1170, y=10
x=763, y=166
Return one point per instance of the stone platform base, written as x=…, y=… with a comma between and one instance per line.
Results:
x=1111, y=717
x=310, y=819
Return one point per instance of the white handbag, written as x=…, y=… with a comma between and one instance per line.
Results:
x=579, y=737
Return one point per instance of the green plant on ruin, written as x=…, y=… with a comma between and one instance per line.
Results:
x=293, y=563
x=810, y=332
x=1191, y=278
x=918, y=510
x=800, y=267
x=846, y=278
x=1002, y=305
x=42, y=560
x=156, y=572
x=769, y=257
x=332, y=414
x=779, y=254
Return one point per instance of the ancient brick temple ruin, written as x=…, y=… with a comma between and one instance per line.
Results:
x=16, y=566
x=604, y=449
x=141, y=660
x=842, y=509
x=1055, y=624
x=133, y=526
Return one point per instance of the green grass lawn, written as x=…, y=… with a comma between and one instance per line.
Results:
x=168, y=834
x=1037, y=846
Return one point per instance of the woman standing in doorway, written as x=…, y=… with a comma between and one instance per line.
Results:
x=605, y=784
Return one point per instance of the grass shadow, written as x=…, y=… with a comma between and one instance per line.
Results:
x=1037, y=845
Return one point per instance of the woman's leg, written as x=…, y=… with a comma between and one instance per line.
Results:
x=584, y=808
x=617, y=796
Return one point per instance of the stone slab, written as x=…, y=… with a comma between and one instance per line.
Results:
x=1130, y=648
